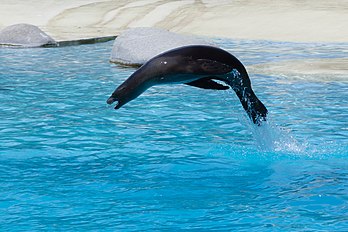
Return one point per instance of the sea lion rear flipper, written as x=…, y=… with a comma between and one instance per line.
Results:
x=207, y=83
x=255, y=109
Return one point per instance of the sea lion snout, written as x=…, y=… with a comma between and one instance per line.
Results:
x=111, y=100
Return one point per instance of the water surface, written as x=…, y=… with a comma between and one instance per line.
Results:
x=176, y=158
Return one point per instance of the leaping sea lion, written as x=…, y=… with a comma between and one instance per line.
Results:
x=198, y=66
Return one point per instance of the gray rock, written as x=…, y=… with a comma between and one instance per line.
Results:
x=24, y=35
x=137, y=45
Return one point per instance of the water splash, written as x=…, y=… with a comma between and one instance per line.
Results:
x=270, y=137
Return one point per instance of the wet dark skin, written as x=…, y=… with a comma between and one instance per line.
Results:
x=197, y=66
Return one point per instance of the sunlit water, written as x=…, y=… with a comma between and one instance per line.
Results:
x=176, y=158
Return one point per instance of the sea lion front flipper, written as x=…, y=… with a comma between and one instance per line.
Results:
x=207, y=83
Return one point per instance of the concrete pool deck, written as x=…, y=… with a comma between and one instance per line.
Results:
x=281, y=20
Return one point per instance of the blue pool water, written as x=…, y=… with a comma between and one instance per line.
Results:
x=176, y=158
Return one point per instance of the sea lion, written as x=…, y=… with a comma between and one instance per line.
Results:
x=194, y=65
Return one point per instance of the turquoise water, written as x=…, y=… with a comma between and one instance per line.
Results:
x=176, y=158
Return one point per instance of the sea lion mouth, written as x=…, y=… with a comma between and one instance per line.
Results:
x=111, y=100
x=118, y=105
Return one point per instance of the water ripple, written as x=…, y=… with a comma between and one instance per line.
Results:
x=166, y=161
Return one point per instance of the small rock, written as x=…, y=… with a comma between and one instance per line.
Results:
x=24, y=35
x=137, y=45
